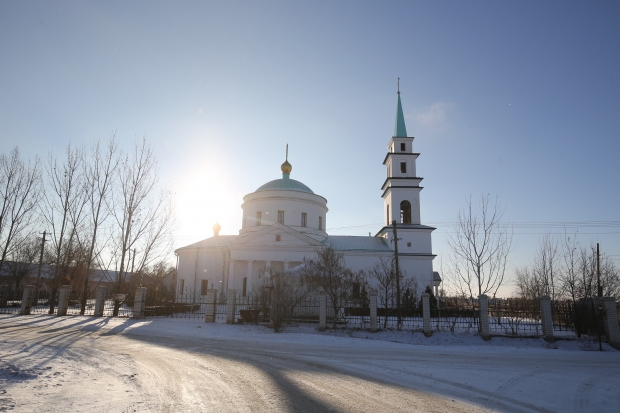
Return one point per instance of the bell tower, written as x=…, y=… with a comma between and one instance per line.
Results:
x=401, y=189
x=401, y=203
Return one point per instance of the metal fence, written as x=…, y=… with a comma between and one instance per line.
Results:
x=507, y=317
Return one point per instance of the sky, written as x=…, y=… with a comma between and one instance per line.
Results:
x=517, y=100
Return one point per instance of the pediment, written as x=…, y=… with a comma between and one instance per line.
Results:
x=266, y=237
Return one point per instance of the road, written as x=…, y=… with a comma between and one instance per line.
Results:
x=87, y=364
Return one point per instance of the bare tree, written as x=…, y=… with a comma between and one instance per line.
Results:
x=569, y=278
x=64, y=212
x=543, y=275
x=23, y=259
x=383, y=277
x=20, y=185
x=99, y=175
x=329, y=272
x=528, y=284
x=480, y=246
x=144, y=217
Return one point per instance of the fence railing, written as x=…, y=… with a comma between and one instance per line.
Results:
x=506, y=317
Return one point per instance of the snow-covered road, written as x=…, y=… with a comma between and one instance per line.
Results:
x=120, y=365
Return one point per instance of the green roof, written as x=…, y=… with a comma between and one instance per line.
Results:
x=286, y=184
x=399, y=127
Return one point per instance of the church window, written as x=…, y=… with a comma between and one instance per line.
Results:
x=181, y=286
x=356, y=290
x=281, y=217
x=258, y=217
x=405, y=212
x=278, y=237
x=403, y=167
x=304, y=219
x=320, y=223
x=402, y=147
x=388, y=215
x=204, y=286
x=245, y=286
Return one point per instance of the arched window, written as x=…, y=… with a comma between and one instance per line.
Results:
x=405, y=212
x=387, y=217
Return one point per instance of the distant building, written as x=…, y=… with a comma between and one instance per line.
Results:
x=284, y=221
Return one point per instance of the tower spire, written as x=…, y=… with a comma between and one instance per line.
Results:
x=400, y=131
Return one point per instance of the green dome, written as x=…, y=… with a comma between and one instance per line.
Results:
x=286, y=184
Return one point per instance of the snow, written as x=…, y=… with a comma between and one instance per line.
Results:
x=111, y=364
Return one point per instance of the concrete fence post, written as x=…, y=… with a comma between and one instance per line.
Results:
x=546, y=318
x=211, y=306
x=231, y=302
x=27, y=300
x=483, y=308
x=4, y=296
x=426, y=314
x=610, y=312
x=139, y=302
x=63, y=300
x=322, y=311
x=100, y=295
x=373, y=311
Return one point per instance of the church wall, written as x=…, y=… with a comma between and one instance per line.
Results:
x=193, y=268
x=292, y=208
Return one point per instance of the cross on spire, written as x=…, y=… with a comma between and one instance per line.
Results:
x=398, y=83
x=287, y=151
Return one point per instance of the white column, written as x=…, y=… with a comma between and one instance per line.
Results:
x=231, y=297
x=373, y=311
x=27, y=299
x=231, y=274
x=63, y=300
x=249, y=284
x=138, y=304
x=426, y=314
x=100, y=300
x=483, y=307
x=547, y=318
x=322, y=311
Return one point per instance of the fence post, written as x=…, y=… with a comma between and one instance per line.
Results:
x=138, y=303
x=547, y=318
x=483, y=308
x=27, y=300
x=211, y=306
x=610, y=312
x=100, y=296
x=4, y=296
x=426, y=314
x=231, y=301
x=63, y=300
x=373, y=311
x=322, y=311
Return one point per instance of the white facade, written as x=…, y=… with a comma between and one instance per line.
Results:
x=284, y=222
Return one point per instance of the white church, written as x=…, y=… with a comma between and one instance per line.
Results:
x=284, y=221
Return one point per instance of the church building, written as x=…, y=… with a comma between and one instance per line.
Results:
x=284, y=221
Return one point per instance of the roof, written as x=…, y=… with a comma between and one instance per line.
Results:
x=285, y=184
x=356, y=243
x=218, y=241
x=399, y=127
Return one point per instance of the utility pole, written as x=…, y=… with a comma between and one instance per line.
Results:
x=41, y=256
x=598, y=272
x=36, y=291
x=398, y=310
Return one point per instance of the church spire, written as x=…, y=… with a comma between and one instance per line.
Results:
x=286, y=167
x=399, y=127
